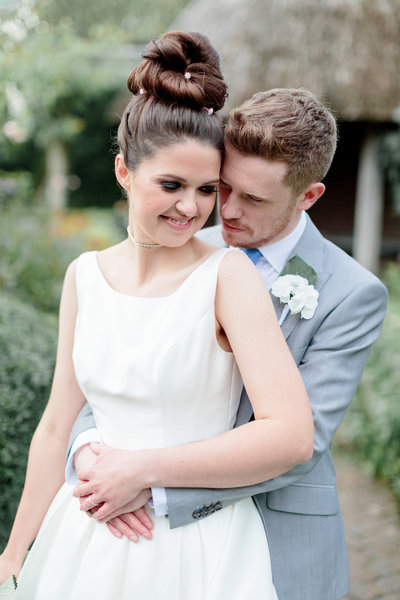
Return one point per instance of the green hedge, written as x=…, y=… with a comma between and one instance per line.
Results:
x=372, y=424
x=27, y=350
x=37, y=245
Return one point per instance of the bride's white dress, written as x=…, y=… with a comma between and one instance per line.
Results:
x=155, y=376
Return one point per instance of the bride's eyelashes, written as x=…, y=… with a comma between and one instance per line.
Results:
x=172, y=186
x=208, y=189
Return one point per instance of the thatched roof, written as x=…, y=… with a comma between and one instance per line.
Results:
x=345, y=51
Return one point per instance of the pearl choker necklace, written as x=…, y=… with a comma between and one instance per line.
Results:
x=139, y=243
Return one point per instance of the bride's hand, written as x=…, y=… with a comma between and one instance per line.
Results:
x=115, y=479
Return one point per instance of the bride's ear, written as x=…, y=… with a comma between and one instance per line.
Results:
x=122, y=172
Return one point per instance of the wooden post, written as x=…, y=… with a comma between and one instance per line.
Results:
x=367, y=232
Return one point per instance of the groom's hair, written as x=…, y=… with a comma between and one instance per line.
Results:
x=288, y=125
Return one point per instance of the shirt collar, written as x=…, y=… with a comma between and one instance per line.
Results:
x=278, y=252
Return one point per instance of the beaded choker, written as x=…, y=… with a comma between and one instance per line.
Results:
x=140, y=243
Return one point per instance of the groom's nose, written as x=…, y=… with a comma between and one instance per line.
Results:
x=230, y=206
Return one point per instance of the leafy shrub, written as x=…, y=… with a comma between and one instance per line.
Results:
x=372, y=424
x=27, y=350
x=36, y=247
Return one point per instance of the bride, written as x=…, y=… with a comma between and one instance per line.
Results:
x=159, y=333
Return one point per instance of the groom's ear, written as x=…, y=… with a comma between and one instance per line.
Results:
x=311, y=195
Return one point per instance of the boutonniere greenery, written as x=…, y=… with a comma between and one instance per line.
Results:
x=295, y=287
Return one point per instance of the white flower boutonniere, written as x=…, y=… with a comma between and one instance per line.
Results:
x=295, y=287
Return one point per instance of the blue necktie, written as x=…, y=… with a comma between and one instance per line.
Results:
x=253, y=254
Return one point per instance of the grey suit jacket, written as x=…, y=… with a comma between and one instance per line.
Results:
x=300, y=509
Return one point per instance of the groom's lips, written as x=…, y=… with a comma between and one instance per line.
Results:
x=231, y=228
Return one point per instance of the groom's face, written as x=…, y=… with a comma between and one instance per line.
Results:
x=255, y=205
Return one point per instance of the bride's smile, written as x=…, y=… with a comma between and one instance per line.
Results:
x=172, y=193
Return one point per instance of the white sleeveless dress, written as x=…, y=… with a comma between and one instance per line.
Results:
x=155, y=376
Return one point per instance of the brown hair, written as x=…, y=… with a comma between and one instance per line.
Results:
x=288, y=125
x=173, y=89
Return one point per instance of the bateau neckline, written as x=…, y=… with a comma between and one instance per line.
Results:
x=195, y=270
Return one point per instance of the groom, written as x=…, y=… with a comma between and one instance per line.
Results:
x=279, y=146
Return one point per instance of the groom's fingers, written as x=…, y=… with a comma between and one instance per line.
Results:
x=142, y=515
x=83, y=488
x=119, y=528
x=130, y=526
x=139, y=522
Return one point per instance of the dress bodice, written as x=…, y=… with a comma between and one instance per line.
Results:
x=151, y=368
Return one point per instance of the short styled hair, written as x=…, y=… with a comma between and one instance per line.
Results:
x=288, y=125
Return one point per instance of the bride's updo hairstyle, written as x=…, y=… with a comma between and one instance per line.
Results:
x=177, y=90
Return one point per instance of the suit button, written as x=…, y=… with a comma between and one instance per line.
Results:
x=218, y=505
x=205, y=511
x=196, y=514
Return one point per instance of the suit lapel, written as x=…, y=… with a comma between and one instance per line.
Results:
x=311, y=248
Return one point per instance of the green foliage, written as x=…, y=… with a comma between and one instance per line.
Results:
x=15, y=185
x=135, y=20
x=49, y=80
x=297, y=266
x=36, y=247
x=62, y=66
x=372, y=424
x=27, y=350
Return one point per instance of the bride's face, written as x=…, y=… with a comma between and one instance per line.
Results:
x=171, y=194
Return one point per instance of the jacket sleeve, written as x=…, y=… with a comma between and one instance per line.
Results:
x=331, y=368
x=85, y=420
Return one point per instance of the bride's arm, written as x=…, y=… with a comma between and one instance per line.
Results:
x=280, y=437
x=45, y=471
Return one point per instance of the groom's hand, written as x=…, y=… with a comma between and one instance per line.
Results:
x=133, y=523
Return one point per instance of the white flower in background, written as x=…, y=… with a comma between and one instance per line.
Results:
x=14, y=132
x=296, y=292
x=14, y=30
x=17, y=128
x=16, y=102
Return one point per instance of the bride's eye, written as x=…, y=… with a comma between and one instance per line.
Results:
x=208, y=189
x=170, y=186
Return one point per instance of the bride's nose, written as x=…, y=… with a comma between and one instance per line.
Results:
x=187, y=204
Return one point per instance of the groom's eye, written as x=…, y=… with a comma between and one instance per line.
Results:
x=255, y=199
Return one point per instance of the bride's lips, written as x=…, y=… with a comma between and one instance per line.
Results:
x=178, y=224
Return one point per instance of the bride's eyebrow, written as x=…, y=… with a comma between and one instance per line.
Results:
x=172, y=176
x=178, y=178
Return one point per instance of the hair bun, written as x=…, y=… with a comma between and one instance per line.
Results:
x=181, y=68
